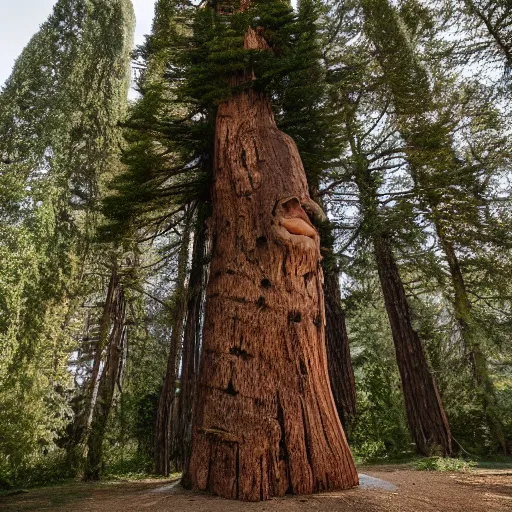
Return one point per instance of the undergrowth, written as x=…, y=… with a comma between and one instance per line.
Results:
x=444, y=464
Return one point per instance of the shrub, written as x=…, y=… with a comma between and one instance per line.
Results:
x=444, y=464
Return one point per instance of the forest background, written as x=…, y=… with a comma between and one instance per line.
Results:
x=401, y=112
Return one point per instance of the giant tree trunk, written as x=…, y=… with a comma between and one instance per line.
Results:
x=425, y=413
x=265, y=421
x=110, y=377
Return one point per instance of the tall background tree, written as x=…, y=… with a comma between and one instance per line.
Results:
x=60, y=140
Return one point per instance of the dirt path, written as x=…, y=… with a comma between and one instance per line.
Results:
x=476, y=491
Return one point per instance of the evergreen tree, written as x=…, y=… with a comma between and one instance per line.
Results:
x=60, y=108
x=443, y=183
x=374, y=151
x=264, y=270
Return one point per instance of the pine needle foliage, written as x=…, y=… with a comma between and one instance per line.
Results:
x=188, y=63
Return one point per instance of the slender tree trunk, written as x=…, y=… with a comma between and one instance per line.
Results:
x=426, y=417
x=101, y=344
x=425, y=413
x=110, y=377
x=97, y=335
x=468, y=326
x=191, y=341
x=164, y=418
x=339, y=362
x=469, y=333
x=265, y=421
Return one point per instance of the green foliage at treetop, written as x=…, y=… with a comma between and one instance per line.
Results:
x=188, y=64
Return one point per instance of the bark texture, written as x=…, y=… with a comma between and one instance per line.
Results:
x=425, y=413
x=265, y=421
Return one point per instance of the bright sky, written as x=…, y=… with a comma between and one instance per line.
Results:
x=20, y=20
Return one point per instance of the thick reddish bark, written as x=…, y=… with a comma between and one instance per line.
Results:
x=265, y=421
x=425, y=413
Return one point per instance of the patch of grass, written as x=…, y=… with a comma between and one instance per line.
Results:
x=136, y=476
x=444, y=464
x=132, y=468
x=502, y=463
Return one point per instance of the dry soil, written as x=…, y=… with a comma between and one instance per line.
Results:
x=416, y=491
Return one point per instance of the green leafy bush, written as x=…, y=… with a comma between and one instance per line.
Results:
x=444, y=464
x=43, y=469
